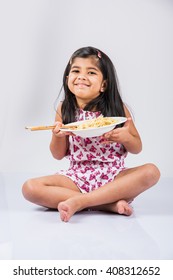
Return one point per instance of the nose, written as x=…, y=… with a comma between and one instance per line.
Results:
x=81, y=77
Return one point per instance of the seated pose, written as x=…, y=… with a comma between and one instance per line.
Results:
x=97, y=177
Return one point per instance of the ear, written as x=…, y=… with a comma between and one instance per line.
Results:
x=104, y=85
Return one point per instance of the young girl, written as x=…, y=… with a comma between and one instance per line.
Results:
x=97, y=178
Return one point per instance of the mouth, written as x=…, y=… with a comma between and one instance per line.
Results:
x=81, y=85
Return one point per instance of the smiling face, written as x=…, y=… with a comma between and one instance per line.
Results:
x=85, y=80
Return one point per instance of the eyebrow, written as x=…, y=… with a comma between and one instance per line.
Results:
x=88, y=68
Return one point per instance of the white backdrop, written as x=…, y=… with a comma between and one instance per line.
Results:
x=37, y=39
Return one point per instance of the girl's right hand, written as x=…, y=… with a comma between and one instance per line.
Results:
x=57, y=132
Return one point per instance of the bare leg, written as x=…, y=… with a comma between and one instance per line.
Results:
x=45, y=192
x=127, y=186
x=48, y=191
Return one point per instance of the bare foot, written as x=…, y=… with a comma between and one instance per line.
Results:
x=68, y=208
x=121, y=207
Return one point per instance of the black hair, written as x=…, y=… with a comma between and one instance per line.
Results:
x=109, y=102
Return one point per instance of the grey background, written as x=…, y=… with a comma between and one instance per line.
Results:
x=37, y=40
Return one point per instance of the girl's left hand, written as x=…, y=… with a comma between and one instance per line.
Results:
x=120, y=135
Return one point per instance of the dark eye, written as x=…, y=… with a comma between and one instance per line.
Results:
x=92, y=73
x=75, y=71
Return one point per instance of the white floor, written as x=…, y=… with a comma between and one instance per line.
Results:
x=31, y=232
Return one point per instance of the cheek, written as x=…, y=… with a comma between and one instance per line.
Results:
x=97, y=84
x=69, y=82
x=71, y=77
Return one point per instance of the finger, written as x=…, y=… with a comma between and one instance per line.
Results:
x=59, y=134
x=69, y=133
x=56, y=130
x=108, y=134
x=57, y=127
x=111, y=133
x=128, y=121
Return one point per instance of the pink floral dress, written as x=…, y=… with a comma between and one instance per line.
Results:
x=93, y=163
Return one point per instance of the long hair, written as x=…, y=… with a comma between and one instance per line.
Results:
x=109, y=102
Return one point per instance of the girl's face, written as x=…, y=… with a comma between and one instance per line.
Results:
x=85, y=80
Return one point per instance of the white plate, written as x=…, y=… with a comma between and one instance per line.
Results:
x=94, y=131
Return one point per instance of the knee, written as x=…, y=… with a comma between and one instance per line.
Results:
x=152, y=173
x=29, y=190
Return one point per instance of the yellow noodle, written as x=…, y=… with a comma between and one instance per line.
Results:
x=98, y=122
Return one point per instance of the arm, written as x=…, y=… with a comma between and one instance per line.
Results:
x=126, y=135
x=60, y=140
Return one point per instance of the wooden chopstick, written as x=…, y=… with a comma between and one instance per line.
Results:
x=44, y=127
x=47, y=127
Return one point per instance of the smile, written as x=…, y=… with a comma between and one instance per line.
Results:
x=81, y=85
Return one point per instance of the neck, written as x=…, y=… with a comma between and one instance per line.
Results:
x=81, y=104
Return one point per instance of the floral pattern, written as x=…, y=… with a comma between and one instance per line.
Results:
x=93, y=163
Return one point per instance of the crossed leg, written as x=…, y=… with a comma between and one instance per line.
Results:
x=60, y=192
x=126, y=186
x=49, y=191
